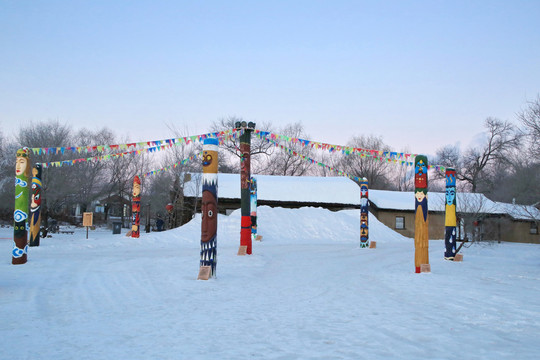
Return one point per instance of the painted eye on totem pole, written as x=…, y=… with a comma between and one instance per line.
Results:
x=210, y=213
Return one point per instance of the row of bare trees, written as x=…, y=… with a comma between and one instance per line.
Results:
x=504, y=165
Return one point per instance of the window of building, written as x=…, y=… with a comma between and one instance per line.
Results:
x=534, y=228
x=400, y=222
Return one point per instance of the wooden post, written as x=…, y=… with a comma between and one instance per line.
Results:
x=35, y=206
x=421, y=235
x=209, y=209
x=450, y=215
x=364, y=214
x=253, y=207
x=245, y=175
x=20, y=215
x=136, y=207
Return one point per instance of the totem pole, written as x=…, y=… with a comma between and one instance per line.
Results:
x=20, y=215
x=209, y=208
x=245, y=174
x=450, y=215
x=35, y=206
x=421, y=236
x=136, y=207
x=364, y=213
x=253, y=213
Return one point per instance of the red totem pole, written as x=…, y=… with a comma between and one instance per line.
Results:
x=245, y=175
x=136, y=207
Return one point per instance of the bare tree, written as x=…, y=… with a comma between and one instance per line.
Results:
x=229, y=153
x=472, y=165
x=530, y=118
x=376, y=172
x=90, y=176
x=289, y=162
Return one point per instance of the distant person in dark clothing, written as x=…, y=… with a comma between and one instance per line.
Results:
x=159, y=224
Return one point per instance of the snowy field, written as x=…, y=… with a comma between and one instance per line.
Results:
x=307, y=292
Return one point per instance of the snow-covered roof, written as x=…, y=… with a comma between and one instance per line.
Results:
x=466, y=202
x=519, y=212
x=341, y=190
x=313, y=189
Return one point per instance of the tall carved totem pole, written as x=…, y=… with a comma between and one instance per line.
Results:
x=209, y=205
x=136, y=207
x=245, y=176
x=421, y=235
x=20, y=215
x=35, y=206
x=450, y=220
x=253, y=205
x=364, y=214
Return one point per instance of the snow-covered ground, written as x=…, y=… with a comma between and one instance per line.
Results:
x=307, y=292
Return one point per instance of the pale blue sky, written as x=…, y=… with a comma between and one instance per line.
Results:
x=422, y=74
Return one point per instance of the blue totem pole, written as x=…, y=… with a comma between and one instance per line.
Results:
x=364, y=214
x=450, y=220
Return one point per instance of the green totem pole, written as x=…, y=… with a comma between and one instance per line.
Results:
x=20, y=215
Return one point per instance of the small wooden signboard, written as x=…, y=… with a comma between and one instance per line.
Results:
x=204, y=273
x=88, y=221
x=372, y=244
x=242, y=250
x=258, y=238
x=425, y=268
x=458, y=257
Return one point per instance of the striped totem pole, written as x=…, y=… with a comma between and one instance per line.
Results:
x=20, y=215
x=450, y=221
x=364, y=214
x=136, y=207
x=209, y=205
x=245, y=175
x=421, y=235
x=253, y=210
x=35, y=206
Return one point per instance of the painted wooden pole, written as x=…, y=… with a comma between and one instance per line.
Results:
x=364, y=214
x=253, y=209
x=450, y=221
x=136, y=207
x=245, y=175
x=421, y=235
x=20, y=215
x=209, y=205
x=35, y=206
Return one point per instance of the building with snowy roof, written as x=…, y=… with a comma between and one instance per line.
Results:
x=480, y=218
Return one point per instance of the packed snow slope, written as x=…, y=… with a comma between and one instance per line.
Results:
x=307, y=292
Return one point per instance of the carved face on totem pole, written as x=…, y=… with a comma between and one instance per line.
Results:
x=450, y=188
x=364, y=190
x=420, y=176
x=36, y=197
x=209, y=207
x=363, y=231
x=136, y=186
x=21, y=165
x=209, y=216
